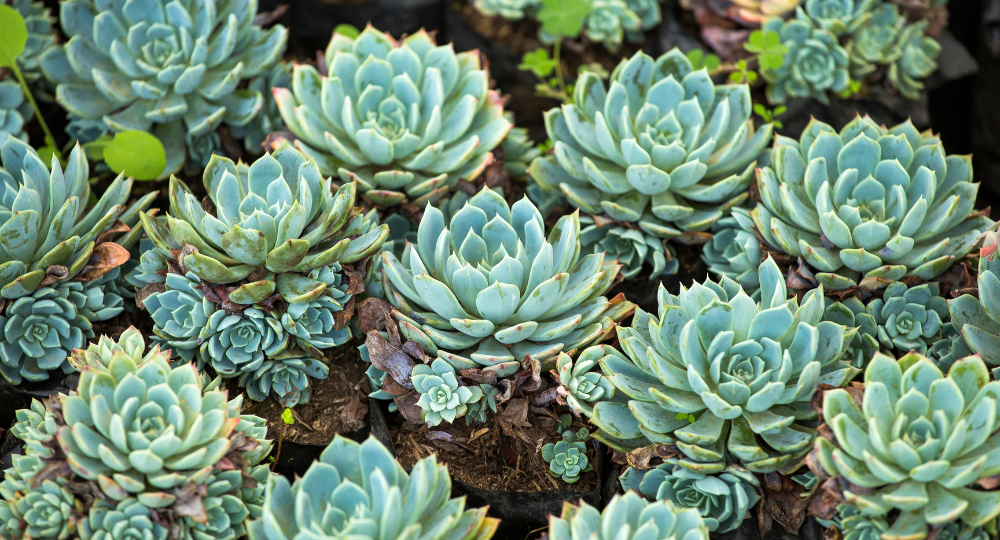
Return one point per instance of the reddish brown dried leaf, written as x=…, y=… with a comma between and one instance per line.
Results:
x=514, y=415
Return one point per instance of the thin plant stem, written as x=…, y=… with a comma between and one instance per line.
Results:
x=559, y=74
x=277, y=455
x=50, y=141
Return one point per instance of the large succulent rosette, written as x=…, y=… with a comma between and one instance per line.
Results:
x=868, y=201
x=171, y=67
x=489, y=288
x=662, y=146
x=405, y=119
x=917, y=448
x=724, y=378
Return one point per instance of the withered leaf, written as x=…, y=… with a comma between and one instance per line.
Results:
x=408, y=407
x=514, y=415
x=372, y=313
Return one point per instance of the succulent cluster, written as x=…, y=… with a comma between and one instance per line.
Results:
x=831, y=42
x=722, y=499
x=55, y=258
x=724, y=378
x=662, y=147
x=360, y=491
x=169, y=67
x=260, y=286
x=868, y=201
x=918, y=443
x=404, y=119
x=140, y=439
x=627, y=517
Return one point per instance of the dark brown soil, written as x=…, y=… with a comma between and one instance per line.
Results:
x=642, y=291
x=484, y=457
x=337, y=404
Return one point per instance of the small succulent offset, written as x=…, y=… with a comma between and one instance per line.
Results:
x=627, y=517
x=853, y=525
x=909, y=318
x=405, y=119
x=567, y=458
x=145, y=438
x=172, y=68
x=39, y=333
x=723, y=499
x=579, y=383
x=918, y=445
x=663, y=147
x=630, y=246
x=442, y=396
x=726, y=379
x=734, y=251
x=868, y=202
x=814, y=65
x=491, y=289
x=359, y=491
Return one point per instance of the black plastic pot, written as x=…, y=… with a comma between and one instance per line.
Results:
x=295, y=458
x=520, y=512
x=14, y=397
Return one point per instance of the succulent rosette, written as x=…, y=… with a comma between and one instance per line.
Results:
x=609, y=20
x=909, y=318
x=286, y=375
x=279, y=215
x=491, y=288
x=662, y=147
x=724, y=378
x=169, y=67
x=888, y=41
x=868, y=202
x=49, y=230
x=567, y=459
x=734, y=251
x=724, y=499
x=359, y=491
x=442, y=397
x=915, y=450
x=404, y=119
x=627, y=517
x=918, y=60
x=814, y=65
x=137, y=446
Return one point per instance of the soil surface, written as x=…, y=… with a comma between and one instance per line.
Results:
x=641, y=290
x=337, y=404
x=484, y=457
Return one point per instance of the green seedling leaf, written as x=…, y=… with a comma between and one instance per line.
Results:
x=768, y=47
x=95, y=148
x=685, y=416
x=347, y=30
x=563, y=17
x=770, y=116
x=700, y=60
x=538, y=62
x=137, y=154
x=286, y=416
x=13, y=36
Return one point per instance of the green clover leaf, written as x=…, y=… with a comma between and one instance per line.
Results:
x=137, y=154
x=700, y=60
x=564, y=17
x=538, y=62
